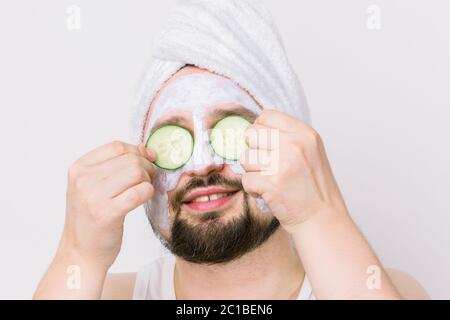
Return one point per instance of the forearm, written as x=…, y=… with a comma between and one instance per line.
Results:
x=71, y=277
x=338, y=259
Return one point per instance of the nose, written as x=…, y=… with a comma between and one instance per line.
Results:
x=206, y=170
x=204, y=161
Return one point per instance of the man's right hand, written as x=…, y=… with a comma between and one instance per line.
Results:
x=103, y=186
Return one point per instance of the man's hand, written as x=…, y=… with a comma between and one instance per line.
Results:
x=287, y=166
x=292, y=174
x=103, y=186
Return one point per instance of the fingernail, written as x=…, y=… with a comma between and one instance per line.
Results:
x=151, y=153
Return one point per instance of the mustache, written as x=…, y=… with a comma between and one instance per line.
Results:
x=213, y=179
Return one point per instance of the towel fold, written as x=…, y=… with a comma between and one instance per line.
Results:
x=233, y=38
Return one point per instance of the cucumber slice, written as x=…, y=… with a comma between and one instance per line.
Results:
x=227, y=137
x=173, y=146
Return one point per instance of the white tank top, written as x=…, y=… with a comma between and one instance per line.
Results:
x=154, y=281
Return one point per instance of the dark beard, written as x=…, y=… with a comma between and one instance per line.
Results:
x=212, y=241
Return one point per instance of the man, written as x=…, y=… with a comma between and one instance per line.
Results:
x=271, y=225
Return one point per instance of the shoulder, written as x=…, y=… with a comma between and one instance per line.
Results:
x=122, y=286
x=119, y=286
x=408, y=287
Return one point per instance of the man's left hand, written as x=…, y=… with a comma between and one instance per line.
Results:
x=286, y=165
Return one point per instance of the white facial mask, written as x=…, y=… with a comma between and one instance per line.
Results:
x=195, y=93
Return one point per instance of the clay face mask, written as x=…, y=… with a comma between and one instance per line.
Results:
x=195, y=94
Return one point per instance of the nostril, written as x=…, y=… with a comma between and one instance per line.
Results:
x=204, y=170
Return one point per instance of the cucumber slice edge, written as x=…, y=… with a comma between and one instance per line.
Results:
x=222, y=124
x=160, y=163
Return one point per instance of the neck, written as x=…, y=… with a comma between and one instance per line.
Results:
x=271, y=271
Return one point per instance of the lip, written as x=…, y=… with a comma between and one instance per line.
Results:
x=211, y=205
x=206, y=192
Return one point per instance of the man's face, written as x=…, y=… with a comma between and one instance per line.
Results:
x=212, y=219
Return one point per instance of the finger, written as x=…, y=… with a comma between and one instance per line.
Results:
x=111, y=167
x=123, y=180
x=262, y=137
x=256, y=159
x=133, y=197
x=151, y=154
x=107, y=152
x=253, y=183
x=280, y=120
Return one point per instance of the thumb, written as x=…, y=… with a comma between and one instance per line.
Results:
x=253, y=184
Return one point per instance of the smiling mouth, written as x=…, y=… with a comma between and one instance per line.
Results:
x=209, y=199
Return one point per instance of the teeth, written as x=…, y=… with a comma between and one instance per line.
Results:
x=216, y=196
x=211, y=197
x=201, y=199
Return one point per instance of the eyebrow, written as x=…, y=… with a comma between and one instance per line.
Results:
x=173, y=120
x=219, y=114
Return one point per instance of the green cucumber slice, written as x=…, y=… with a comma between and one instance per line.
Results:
x=227, y=137
x=173, y=146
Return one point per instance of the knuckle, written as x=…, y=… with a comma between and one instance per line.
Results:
x=137, y=174
x=133, y=197
x=74, y=170
x=314, y=136
x=118, y=146
x=147, y=190
x=132, y=159
x=298, y=151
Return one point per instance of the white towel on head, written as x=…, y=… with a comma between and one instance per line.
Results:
x=233, y=38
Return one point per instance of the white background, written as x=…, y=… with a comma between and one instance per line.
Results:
x=379, y=98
